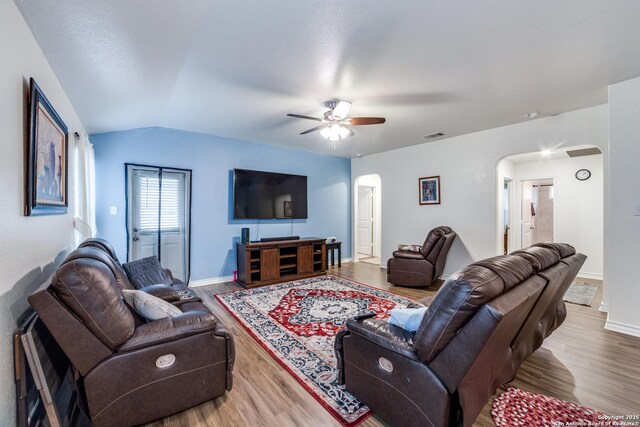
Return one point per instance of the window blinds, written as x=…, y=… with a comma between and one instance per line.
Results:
x=160, y=203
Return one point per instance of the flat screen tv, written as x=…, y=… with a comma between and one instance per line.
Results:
x=268, y=195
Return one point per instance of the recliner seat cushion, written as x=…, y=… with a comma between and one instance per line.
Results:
x=88, y=288
x=432, y=239
x=540, y=257
x=460, y=298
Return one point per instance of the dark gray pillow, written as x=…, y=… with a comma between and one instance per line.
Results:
x=146, y=271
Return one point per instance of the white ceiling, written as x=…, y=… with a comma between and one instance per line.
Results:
x=235, y=68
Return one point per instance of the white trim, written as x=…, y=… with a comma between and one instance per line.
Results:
x=210, y=281
x=604, y=308
x=623, y=328
x=590, y=275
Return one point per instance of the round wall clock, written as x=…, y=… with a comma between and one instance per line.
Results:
x=583, y=174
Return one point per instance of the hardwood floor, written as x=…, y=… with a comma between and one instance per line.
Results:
x=580, y=362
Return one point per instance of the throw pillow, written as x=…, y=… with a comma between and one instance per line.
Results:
x=146, y=271
x=407, y=318
x=410, y=248
x=148, y=306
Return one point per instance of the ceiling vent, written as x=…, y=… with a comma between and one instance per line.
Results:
x=434, y=135
x=584, y=152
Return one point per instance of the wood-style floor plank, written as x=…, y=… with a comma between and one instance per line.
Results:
x=580, y=362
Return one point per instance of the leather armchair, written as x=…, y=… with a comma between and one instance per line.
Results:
x=483, y=322
x=132, y=371
x=420, y=269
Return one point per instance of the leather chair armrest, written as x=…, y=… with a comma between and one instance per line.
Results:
x=422, y=302
x=164, y=292
x=408, y=255
x=169, y=329
x=384, y=334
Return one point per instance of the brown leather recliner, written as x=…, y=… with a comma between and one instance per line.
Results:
x=420, y=269
x=480, y=326
x=132, y=371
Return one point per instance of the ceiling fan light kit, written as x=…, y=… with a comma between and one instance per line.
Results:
x=336, y=124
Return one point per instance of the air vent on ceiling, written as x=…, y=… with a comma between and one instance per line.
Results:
x=584, y=152
x=434, y=135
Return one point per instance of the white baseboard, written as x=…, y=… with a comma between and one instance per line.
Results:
x=210, y=281
x=623, y=328
x=587, y=275
x=604, y=308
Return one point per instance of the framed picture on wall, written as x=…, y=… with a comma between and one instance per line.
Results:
x=429, y=190
x=47, y=191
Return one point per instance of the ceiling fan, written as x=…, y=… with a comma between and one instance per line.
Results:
x=335, y=124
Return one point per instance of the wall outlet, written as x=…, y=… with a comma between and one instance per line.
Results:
x=113, y=210
x=636, y=209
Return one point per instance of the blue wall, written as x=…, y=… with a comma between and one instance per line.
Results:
x=211, y=158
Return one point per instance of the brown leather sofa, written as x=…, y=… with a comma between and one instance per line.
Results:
x=420, y=269
x=480, y=326
x=123, y=361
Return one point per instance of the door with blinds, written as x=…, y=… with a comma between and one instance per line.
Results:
x=158, y=216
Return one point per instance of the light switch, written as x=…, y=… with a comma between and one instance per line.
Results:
x=113, y=210
x=636, y=209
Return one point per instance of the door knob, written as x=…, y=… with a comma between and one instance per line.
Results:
x=135, y=229
x=135, y=239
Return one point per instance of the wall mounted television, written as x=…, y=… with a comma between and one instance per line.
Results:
x=268, y=195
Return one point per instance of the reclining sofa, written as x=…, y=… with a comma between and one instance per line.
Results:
x=479, y=327
x=132, y=370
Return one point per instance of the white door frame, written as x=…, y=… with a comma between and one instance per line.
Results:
x=518, y=205
x=369, y=180
x=186, y=221
x=365, y=225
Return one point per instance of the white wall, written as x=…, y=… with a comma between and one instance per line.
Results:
x=31, y=247
x=622, y=226
x=578, y=205
x=467, y=166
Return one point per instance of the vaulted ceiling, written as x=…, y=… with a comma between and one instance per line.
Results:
x=235, y=68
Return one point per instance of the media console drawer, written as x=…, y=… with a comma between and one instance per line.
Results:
x=266, y=263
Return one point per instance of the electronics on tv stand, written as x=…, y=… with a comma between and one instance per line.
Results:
x=275, y=239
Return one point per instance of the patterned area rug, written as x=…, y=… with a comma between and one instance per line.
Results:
x=296, y=322
x=580, y=293
x=516, y=407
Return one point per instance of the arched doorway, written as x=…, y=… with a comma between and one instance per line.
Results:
x=553, y=195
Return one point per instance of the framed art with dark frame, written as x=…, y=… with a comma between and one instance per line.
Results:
x=47, y=179
x=429, y=190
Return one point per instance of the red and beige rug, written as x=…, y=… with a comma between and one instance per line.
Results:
x=296, y=322
x=516, y=407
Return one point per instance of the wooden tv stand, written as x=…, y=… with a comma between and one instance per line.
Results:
x=266, y=263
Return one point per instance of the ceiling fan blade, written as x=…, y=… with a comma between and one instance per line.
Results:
x=359, y=121
x=300, y=116
x=312, y=129
x=341, y=110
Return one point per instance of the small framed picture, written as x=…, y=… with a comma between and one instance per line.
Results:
x=47, y=175
x=429, y=190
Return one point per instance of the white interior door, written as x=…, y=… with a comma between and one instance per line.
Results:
x=365, y=221
x=527, y=218
x=158, y=216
